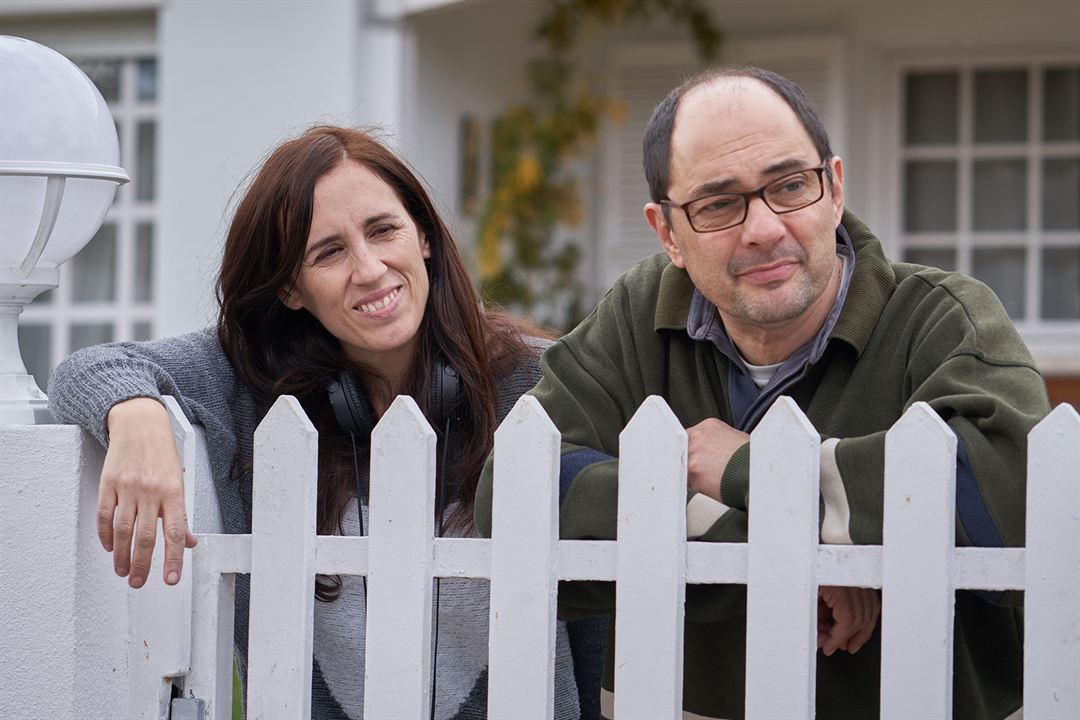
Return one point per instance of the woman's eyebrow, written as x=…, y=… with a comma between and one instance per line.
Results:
x=379, y=218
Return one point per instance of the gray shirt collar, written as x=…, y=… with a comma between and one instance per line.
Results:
x=704, y=323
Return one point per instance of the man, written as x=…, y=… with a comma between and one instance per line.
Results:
x=767, y=287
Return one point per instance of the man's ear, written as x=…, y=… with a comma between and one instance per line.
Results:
x=290, y=298
x=837, y=187
x=654, y=215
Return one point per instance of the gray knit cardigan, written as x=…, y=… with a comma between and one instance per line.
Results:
x=193, y=369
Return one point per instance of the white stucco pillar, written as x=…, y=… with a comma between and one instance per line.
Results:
x=64, y=623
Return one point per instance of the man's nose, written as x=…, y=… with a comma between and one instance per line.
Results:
x=762, y=226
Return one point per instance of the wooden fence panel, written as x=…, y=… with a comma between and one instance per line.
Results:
x=918, y=594
x=781, y=592
x=651, y=565
x=525, y=532
x=282, y=564
x=397, y=666
x=918, y=569
x=1052, y=595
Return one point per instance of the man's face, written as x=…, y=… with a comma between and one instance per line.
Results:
x=736, y=134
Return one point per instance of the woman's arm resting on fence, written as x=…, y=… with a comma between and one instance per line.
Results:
x=90, y=389
x=141, y=480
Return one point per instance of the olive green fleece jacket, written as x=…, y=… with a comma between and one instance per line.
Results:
x=905, y=334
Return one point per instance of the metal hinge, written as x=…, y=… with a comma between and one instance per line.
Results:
x=187, y=708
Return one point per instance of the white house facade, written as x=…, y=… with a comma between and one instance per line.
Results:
x=959, y=124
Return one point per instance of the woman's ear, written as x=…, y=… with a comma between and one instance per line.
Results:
x=425, y=247
x=290, y=298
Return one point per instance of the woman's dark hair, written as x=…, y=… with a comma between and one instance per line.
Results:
x=277, y=351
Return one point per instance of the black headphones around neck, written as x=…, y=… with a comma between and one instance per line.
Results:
x=354, y=414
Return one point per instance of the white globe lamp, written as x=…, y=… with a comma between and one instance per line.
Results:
x=59, y=170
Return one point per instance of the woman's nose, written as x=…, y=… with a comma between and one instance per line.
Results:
x=367, y=267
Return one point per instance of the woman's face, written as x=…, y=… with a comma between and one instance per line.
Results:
x=363, y=275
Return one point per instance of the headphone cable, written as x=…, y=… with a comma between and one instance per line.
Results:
x=438, y=581
x=359, y=506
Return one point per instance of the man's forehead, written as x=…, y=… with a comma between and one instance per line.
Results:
x=737, y=126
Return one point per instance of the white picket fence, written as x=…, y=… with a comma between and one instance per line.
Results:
x=918, y=569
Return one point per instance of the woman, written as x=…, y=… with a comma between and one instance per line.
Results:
x=339, y=281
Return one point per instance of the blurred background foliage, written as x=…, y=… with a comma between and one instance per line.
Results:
x=525, y=264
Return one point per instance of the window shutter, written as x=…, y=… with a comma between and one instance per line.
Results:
x=639, y=82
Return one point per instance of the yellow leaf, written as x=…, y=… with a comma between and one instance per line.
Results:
x=528, y=172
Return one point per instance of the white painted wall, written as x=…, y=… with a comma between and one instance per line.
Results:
x=235, y=81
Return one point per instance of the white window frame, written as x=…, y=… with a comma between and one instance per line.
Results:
x=123, y=313
x=1054, y=343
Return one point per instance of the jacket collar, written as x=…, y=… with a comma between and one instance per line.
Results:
x=872, y=282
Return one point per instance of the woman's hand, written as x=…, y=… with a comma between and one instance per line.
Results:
x=141, y=481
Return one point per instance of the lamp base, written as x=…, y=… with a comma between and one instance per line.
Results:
x=22, y=402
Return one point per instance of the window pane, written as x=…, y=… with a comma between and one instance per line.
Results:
x=944, y=258
x=105, y=74
x=35, y=341
x=930, y=196
x=1000, y=195
x=1003, y=270
x=93, y=270
x=1061, y=194
x=1061, y=104
x=141, y=331
x=1001, y=106
x=85, y=335
x=146, y=79
x=932, y=101
x=1061, y=283
x=143, y=282
x=145, y=162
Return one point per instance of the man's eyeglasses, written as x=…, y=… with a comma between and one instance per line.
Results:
x=728, y=209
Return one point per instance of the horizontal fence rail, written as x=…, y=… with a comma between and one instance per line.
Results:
x=783, y=564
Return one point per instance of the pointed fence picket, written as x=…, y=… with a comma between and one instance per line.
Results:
x=159, y=630
x=783, y=564
x=397, y=666
x=1052, y=577
x=281, y=615
x=650, y=579
x=917, y=560
x=523, y=563
x=781, y=588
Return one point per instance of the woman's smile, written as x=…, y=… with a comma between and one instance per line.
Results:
x=382, y=306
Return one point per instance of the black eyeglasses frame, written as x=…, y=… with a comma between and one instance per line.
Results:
x=749, y=194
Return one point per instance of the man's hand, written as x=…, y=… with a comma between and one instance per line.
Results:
x=141, y=481
x=710, y=444
x=847, y=617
